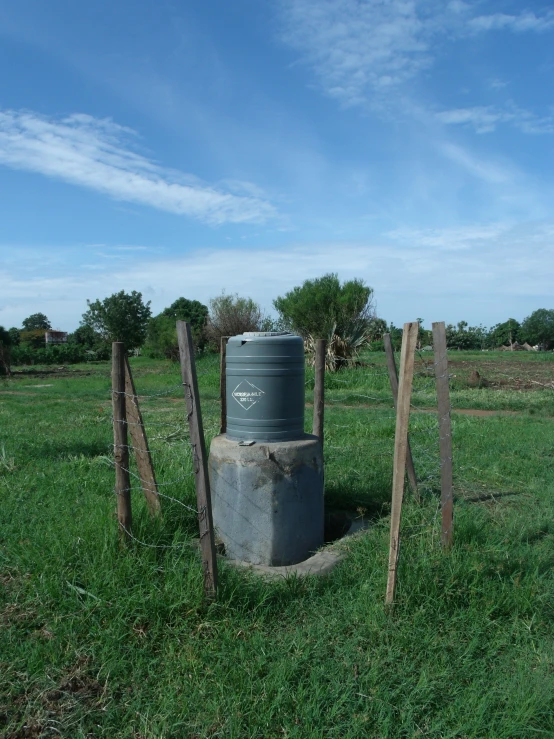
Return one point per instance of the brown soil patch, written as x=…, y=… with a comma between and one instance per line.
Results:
x=52, y=712
x=513, y=373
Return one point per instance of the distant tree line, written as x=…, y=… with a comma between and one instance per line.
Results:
x=536, y=330
x=343, y=314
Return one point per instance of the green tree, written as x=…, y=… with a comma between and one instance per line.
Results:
x=15, y=336
x=86, y=337
x=34, y=338
x=325, y=309
x=192, y=311
x=504, y=334
x=5, y=351
x=395, y=333
x=87, y=343
x=120, y=317
x=322, y=307
x=464, y=336
x=35, y=322
x=161, y=337
x=424, y=335
x=538, y=328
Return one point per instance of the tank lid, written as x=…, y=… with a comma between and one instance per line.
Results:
x=255, y=334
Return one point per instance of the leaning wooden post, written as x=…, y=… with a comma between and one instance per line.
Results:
x=120, y=441
x=203, y=497
x=445, y=432
x=140, y=444
x=407, y=355
x=319, y=389
x=393, y=378
x=223, y=383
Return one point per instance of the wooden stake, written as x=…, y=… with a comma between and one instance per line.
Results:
x=407, y=355
x=393, y=378
x=203, y=497
x=223, y=383
x=120, y=442
x=319, y=389
x=140, y=444
x=445, y=432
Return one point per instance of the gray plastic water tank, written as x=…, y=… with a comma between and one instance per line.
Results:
x=265, y=386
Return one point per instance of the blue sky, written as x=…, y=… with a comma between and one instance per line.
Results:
x=186, y=148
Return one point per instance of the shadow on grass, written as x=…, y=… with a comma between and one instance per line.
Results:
x=55, y=371
x=371, y=498
x=63, y=451
x=484, y=497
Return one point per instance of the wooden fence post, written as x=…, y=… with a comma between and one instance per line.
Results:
x=445, y=432
x=140, y=444
x=121, y=447
x=203, y=496
x=407, y=355
x=223, y=383
x=319, y=389
x=393, y=378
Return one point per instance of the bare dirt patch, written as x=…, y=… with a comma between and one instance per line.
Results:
x=506, y=373
x=50, y=712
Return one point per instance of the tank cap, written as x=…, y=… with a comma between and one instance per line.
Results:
x=266, y=333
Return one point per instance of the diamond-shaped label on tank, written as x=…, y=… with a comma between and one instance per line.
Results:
x=246, y=394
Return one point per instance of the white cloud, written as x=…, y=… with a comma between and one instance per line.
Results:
x=356, y=47
x=451, y=238
x=96, y=154
x=480, y=273
x=520, y=23
x=484, y=119
x=362, y=50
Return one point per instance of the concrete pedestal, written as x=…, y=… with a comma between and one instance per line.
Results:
x=268, y=499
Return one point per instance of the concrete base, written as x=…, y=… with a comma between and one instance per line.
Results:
x=321, y=563
x=267, y=499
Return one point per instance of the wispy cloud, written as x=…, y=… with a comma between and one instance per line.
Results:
x=521, y=23
x=486, y=170
x=358, y=48
x=485, y=119
x=97, y=154
x=480, y=273
x=451, y=239
x=361, y=51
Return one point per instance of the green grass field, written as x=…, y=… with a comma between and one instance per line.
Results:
x=100, y=642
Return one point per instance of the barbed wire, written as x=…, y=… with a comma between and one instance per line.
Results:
x=150, y=395
x=424, y=432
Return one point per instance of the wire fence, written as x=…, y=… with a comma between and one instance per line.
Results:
x=172, y=454
x=365, y=397
x=359, y=423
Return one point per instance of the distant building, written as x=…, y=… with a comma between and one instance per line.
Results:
x=55, y=337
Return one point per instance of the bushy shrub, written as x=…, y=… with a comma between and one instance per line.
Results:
x=161, y=334
x=538, y=328
x=325, y=309
x=56, y=354
x=231, y=315
x=323, y=306
x=33, y=338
